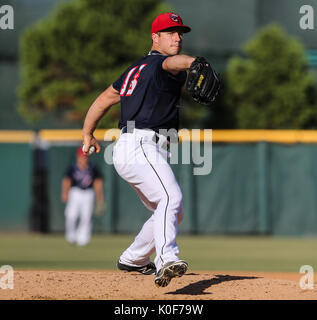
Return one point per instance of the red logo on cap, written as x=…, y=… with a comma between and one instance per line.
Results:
x=175, y=18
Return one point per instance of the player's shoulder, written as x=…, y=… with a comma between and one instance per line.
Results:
x=133, y=65
x=152, y=63
x=148, y=59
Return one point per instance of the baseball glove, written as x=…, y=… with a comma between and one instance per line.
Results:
x=202, y=82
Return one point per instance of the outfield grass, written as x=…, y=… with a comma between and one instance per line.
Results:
x=35, y=251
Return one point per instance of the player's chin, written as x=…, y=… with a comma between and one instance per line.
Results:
x=175, y=50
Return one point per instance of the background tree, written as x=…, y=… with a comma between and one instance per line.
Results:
x=271, y=88
x=69, y=58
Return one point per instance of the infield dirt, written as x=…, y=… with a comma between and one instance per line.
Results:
x=117, y=285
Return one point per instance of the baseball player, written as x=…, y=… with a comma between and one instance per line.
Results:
x=149, y=92
x=81, y=184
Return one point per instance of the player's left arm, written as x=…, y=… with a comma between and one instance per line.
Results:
x=177, y=63
x=66, y=185
x=97, y=110
x=101, y=204
x=98, y=186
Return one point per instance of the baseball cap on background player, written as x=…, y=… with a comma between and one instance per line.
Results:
x=168, y=20
x=80, y=152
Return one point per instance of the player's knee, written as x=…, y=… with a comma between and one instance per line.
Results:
x=175, y=200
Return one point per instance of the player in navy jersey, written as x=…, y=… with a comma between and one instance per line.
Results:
x=150, y=100
x=149, y=92
x=82, y=183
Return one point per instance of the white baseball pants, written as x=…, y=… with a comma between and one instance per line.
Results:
x=142, y=162
x=78, y=215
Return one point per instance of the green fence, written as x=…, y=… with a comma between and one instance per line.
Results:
x=253, y=188
x=16, y=185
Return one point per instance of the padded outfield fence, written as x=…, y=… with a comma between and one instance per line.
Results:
x=262, y=182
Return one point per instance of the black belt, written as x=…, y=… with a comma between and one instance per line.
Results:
x=125, y=130
x=155, y=138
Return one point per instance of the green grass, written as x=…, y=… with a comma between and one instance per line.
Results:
x=35, y=251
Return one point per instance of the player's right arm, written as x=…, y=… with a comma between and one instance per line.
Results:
x=177, y=63
x=98, y=186
x=97, y=110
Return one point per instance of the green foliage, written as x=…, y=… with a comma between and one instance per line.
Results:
x=69, y=58
x=271, y=87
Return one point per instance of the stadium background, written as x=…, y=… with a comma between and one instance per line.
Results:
x=262, y=182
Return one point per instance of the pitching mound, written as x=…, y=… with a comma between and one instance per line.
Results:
x=108, y=285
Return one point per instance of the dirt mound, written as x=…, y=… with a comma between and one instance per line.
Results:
x=109, y=285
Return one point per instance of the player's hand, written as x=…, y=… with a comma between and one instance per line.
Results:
x=89, y=141
x=100, y=208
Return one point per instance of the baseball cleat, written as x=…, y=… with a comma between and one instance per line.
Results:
x=146, y=270
x=170, y=270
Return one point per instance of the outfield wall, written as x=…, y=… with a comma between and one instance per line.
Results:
x=262, y=182
x=16, y=179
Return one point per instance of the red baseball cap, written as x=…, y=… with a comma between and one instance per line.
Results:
x=80, y=152
x=168, y=20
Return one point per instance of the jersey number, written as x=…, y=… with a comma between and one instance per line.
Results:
x=133, y=82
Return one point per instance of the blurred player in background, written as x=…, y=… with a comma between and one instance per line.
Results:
x=81, y=185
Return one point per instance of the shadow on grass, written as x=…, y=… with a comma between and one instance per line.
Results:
x=199, y=287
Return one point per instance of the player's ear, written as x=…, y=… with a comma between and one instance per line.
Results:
x=155, y=37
